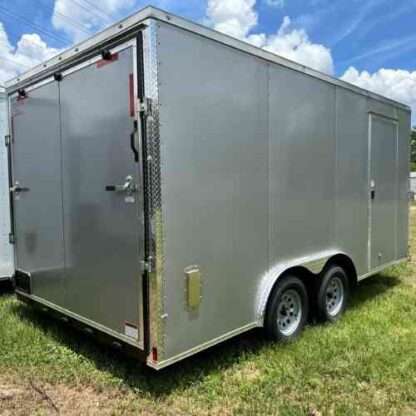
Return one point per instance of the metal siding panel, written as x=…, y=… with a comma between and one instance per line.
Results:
x=302, y=165
x=351, y=218
x=384, y=205
x=403, y=184
x=214, y=149
x=6, y=249
x=103, y=234
x=38, y=212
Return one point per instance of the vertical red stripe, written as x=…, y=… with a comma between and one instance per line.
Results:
x=154, y=354
x=131, y=94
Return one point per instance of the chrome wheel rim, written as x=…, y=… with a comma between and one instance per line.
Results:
x=289, y=312
x=334, y=296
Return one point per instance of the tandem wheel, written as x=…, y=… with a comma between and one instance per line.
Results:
x=287, y=310
x=288, y=307
x=332, y=294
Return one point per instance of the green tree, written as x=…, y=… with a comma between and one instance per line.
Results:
x=413, y=149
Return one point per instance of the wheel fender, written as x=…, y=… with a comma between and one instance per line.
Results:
x=314, y=263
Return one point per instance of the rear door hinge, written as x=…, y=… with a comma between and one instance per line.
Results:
x=147, y=265
x=7, y=140
x=12, y=238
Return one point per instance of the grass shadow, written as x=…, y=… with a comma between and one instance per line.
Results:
x=135, y=375
x=6, y=288
x=373, y=287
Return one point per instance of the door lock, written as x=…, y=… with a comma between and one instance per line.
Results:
x=129, y=187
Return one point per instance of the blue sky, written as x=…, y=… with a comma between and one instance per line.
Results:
x=353, y=29
x=355, y=40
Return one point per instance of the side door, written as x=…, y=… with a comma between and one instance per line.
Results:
x=383, y=190
x=102, y=195
x=36, y=190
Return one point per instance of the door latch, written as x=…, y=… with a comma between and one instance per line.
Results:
x=129, y=187
x=17, y=189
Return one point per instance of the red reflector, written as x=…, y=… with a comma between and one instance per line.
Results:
x=103, y=62
x=154, y=354
x=131, y=95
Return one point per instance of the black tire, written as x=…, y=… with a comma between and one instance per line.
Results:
x=332, y=299
x=288, y=291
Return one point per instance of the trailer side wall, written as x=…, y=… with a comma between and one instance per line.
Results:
x=214, y=153
x=260, y=165
x=301, y=165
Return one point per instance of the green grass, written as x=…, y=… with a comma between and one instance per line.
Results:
x=364, y=364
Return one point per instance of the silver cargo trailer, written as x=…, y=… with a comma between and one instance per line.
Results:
x=174, y=187
x=6, y=250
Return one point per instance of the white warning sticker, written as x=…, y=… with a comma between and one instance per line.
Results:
x=131, y=330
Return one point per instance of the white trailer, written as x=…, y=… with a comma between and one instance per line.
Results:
x=412, y=180
x=6, y=249
x=174, y=187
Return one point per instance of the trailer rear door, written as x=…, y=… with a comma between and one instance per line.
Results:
x=103, y=223
x=37, y=198
x=78, y=200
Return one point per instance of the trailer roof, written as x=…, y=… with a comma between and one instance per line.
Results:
x=139, y=18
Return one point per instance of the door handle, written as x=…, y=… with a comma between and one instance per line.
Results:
x=133, y=145
x=129, y=187
x=18, y=189
x=373, y=189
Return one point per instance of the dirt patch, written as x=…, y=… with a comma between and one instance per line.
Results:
x=32, y=397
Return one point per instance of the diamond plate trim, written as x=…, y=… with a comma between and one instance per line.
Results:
x=153, y=166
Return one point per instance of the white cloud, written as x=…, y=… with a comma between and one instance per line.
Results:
x=78, y=18
x=30, y=51
x=233, y=17
x=398, y=84
x=238, y=18
x=294, y=44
